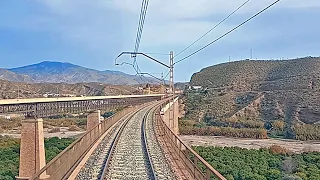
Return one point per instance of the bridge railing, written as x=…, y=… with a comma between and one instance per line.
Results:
x=193, y=162
x=62, y=165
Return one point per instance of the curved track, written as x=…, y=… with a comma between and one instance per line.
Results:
x=129, y=151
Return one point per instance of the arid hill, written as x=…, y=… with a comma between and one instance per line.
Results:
x=259, y=91
x=9, y=90
x=11, y=76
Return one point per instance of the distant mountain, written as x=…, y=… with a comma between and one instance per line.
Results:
x=58, y=72
x=114, y=72
x=11, y=76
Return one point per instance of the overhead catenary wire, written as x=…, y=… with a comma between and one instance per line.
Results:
x=217, y=25
x=214, y=41
x=137, y=74
x=166, y=75
x=143, y=12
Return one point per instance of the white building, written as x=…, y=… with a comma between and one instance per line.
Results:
x=195, y=87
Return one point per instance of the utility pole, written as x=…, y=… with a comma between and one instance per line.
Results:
x=171, y=73
x=163, y=84
x=171, y=113
x=18, y=91
x=170, y=67
x=229, y=58
x=251, y=54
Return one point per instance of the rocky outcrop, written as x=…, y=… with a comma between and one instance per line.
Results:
x=11, y=76
x=251, y=111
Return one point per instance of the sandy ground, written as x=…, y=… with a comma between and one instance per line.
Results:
x=64, y=133
x=291, y=145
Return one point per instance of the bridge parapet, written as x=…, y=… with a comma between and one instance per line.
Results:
x=194, y=163
x=170, y=114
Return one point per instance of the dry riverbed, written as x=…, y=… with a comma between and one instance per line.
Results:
x=64, y=133
x=291, y=145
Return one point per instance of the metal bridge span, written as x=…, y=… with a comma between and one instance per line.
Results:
x=137, y=136
x=44, y=107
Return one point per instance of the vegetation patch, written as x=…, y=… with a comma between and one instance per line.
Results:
x=10, y=150
x=274, y=163
x=200, y=129
x=7, y=124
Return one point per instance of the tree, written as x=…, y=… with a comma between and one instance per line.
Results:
x=289, y=165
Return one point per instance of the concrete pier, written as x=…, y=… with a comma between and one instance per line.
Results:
x=32, y=151
x=93, y=119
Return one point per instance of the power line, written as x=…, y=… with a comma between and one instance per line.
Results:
x=137, y=74
x=137, y=71
x=143, y=12
x=212, y=28
x=166, y=75
x=228, y=32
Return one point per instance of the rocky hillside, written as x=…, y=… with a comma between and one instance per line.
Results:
x=260, y=75
x=267, y=91
x=181, y=85
x=11, y=76
x=9, y=90
x=57, y=72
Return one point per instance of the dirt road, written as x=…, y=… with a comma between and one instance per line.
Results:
x=64, y=133
x=291, y=145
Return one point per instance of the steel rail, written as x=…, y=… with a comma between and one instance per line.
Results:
x=114, y=143
x=116, y=140
x=145, y=145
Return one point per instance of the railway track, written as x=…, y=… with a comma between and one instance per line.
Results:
x=129, y=151
x=159, y=161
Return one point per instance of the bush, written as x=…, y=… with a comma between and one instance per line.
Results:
x=242, y=164
x=291, y=177
x=278, y=149
x=54, y=130
x=1, y=130
x=224, y=131
x=107, y=114
x=10, y=124
x=74, y=128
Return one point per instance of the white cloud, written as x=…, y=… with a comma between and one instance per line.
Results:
x=175, y=33
x=177, y=22
x=201, y=8
x=101, y=23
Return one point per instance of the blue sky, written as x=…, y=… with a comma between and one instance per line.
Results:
x=92, y=33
